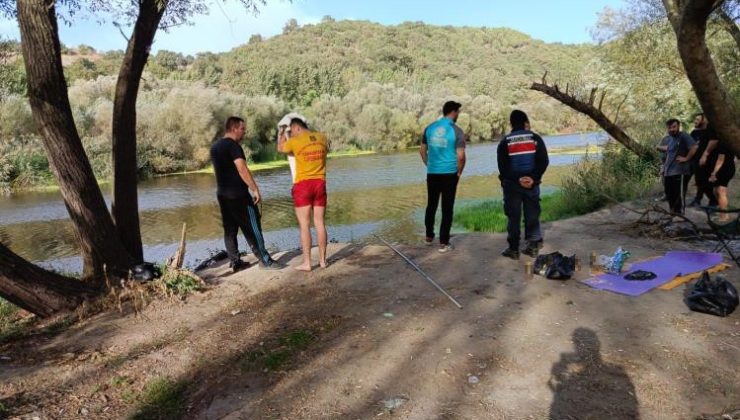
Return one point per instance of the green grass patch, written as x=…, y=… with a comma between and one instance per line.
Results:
x=162, y=399
x=489, y=216
x=277, y=354
x=59, y=325
x=179, y=283
x=11, y=325
x=619, y=175
x=8, y=311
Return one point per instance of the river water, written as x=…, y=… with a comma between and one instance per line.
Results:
x=380, y=193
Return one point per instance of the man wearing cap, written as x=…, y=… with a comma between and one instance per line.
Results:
x=522, y=160
x=443, y=153
x=309, y=186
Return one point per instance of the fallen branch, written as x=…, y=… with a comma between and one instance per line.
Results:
x=595, y=114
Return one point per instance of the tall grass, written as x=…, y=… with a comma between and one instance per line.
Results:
x=619, y=175
x=489, y=216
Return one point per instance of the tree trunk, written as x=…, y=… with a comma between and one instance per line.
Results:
x=595, y=114
x=125, y=196
x=689, y=21
x=47, y=93
x=37, y=290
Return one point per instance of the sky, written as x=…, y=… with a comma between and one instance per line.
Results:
x=229, y=25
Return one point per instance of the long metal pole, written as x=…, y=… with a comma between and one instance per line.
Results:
x=426, y=276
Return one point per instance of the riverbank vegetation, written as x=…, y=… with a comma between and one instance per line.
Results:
x=369, y=87
x=618, y=175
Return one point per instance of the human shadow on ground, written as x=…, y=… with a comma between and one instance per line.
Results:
x=586, y=387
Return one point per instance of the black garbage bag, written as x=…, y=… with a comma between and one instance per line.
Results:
x=715, y=296
x=145, y=272
x=555, y=266
x=212, y=259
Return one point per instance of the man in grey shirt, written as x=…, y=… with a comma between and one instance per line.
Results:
x=679, y=149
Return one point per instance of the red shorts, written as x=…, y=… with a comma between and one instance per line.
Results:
x=311, y=192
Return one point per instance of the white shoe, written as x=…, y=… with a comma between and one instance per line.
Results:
x=445, y=248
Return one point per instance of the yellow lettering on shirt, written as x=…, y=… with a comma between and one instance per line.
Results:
x=309, y=149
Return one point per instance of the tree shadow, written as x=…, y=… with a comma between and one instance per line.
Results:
x=586, y=387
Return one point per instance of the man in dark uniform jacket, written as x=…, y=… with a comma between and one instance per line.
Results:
x=522, y=160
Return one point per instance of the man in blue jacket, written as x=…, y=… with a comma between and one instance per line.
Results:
x=443, y=153
x=522, y=160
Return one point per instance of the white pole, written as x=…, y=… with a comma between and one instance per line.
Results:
x=426, y=276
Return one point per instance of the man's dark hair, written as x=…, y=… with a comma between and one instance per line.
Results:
x=232, y=122
x=450, y=107
x=299, y=122
x=672, y=121
x=518, y=119
x=699, y=114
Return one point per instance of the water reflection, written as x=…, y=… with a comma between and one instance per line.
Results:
x=383, y=191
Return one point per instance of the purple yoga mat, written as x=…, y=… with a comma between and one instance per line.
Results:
x=674, y=263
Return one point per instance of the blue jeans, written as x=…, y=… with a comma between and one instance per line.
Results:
x=517, y=198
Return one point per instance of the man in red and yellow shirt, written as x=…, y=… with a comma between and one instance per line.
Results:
x=309, y=186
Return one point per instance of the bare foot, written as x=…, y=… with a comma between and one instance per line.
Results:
x=304, y=267
x=323, y=264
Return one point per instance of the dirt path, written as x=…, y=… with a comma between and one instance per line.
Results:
x=369, y=338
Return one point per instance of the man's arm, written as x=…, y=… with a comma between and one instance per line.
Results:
x=708, y=151
x=460, y=139
x=541, y=160
x=692, y=145
x=502, y=159
x=423, y=149
x=460, y=160
x=689, y=155
x=246, y=176
x=662, y=145
x=282, y=140
x=717, y=167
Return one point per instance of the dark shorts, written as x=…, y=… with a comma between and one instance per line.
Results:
x=311, y=192
x=725, y=174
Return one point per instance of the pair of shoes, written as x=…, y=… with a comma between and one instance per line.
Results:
x=238, y=265
x=272, y=265
x=445, y=248
x=532, y=249
x=512, y=253
x=428, y=240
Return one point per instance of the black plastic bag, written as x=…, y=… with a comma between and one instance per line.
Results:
x=145, y=272
x=715, y=296
x=555, y=266
x=640, y=275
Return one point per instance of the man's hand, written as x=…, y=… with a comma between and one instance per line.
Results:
x=682, y=159
x=256, y=196
x=526, y=182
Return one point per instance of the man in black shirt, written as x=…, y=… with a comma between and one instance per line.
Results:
x=701, y=169
x=238, y=195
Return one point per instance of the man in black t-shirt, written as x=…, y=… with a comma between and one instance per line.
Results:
x=721, y=166
x=701, y=169
x=238, y=195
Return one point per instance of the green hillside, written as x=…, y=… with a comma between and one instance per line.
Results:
x=337, y=57
x=367, y=86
